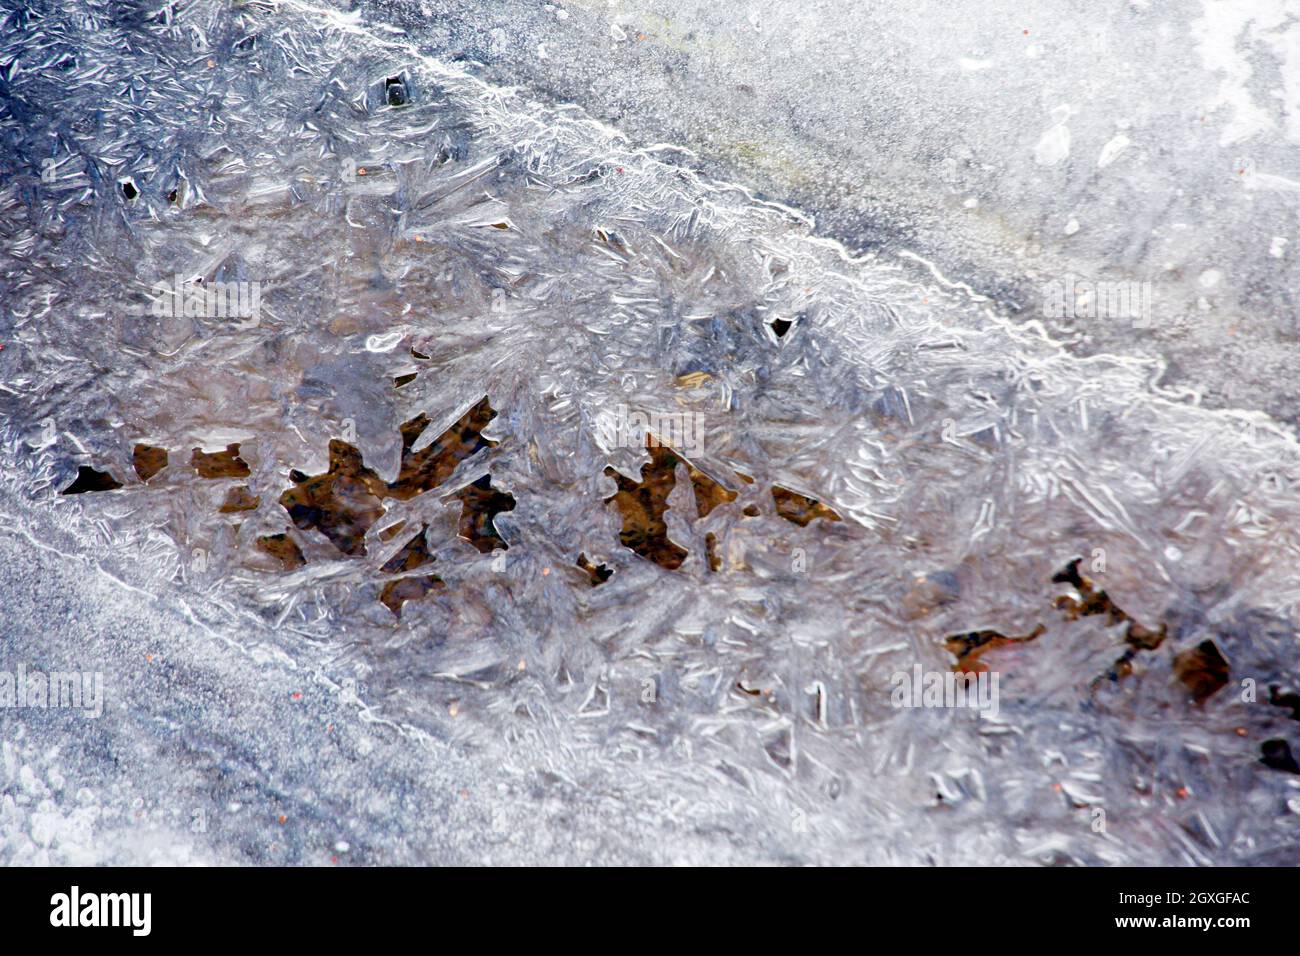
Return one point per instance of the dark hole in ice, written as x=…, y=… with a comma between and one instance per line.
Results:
x=407, y=379
x=219, y=464
x=1277, y=756
x=395, y=92
x=90, y=479
x=598, y=573
x=128, y=189
x=1289, y=699
x=781, y=326
x=480, y=504
x=148, y=460
x=173, y=195
x=692, y=378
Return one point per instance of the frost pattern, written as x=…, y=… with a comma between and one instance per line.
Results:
x=493, y=245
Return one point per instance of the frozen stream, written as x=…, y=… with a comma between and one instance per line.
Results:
x=324, y=636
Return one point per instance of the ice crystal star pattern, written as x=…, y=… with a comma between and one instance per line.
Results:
x=732, y=703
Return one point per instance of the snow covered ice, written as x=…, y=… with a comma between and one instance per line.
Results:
x=334, y=337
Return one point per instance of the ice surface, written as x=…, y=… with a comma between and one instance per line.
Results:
x=941, y=127
x=400, y=215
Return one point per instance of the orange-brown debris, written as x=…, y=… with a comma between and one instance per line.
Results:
x=148, y=460
x=708, y=493
x=412, y=555
x=283, y=548
x=346, y=501
x=432, y=465
x=342, y=503
x=643, y=505
x=598, y=573
x=969, y=647
x=1091, y=602
x=711, y=551
x=1203, y=669
x=480, y=503
x=800, y=509
x=220, y=464
x=239, y=498
x=396, y=593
